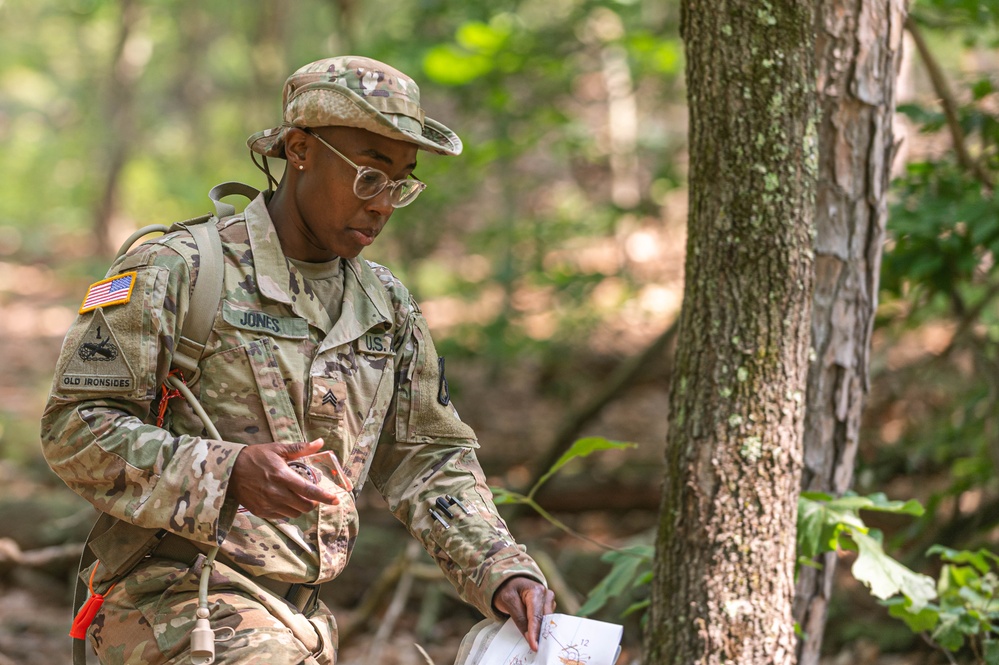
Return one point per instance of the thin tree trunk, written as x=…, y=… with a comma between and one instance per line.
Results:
x=127, y=66
x=858, y=47
x=725, y=551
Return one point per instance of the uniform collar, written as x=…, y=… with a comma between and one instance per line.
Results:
x=365, y=304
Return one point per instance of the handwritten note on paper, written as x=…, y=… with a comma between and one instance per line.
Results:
x=565, y=640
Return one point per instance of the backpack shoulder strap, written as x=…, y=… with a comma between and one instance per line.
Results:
x=208, y=286
x=205, y=298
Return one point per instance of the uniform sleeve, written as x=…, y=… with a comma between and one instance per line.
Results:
x=96, y=432
x=426, y=456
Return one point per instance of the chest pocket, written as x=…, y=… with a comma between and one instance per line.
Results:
x=243, y=388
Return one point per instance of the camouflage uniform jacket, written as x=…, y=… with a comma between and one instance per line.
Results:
x=276, y=368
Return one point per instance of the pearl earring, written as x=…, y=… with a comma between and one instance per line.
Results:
x=301, y=167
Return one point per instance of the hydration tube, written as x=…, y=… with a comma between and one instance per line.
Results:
x=203, y=638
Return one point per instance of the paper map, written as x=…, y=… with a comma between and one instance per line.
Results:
x=565, y=640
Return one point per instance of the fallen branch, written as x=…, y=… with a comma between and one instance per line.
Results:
x=566, y=597
x=380, y=591
x=398, y=604
x=45, y=558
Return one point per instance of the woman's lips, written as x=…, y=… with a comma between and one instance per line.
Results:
x=363, y=236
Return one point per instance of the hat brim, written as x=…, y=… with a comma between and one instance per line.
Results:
x=345, y=108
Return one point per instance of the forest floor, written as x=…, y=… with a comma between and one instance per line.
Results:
x=516, y=412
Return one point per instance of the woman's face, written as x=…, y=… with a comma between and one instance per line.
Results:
x=333, y=221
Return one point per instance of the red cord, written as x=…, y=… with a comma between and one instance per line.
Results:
x=86, y=615
x=167, y=395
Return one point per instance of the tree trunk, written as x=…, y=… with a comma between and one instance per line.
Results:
x=126, y=68
x=858, y=46
x=723, y=576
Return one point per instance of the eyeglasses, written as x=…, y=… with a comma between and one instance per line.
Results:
x=370, y=182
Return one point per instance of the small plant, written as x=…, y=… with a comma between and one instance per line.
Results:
x=968, y=589
x=827, y=524
x=967, y=608
x=631, y=567
x=581, y=448
x=631, y=570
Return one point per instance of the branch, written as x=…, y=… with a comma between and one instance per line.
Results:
x=57, y=556
x=968, y=319
x=395, y=608
x=946, y=97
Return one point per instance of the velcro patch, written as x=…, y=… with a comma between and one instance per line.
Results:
x=375, y=344
x=282, y=326
x=329, y=398
x=115, y=290
x=98, y=365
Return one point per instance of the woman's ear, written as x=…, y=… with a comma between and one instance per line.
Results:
x=296, y=148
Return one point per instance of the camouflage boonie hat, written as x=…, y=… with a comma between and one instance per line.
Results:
x=354, y=91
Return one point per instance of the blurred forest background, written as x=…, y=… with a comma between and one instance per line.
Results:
x=548, y=259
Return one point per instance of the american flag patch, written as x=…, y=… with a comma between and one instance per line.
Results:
x=111, y=291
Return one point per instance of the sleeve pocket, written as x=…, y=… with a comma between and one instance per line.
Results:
x=431, y=414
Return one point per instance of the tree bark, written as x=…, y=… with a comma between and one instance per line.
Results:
x=858, y=47
x=723, y=576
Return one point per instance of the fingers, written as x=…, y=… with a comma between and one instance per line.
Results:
x=539, y=601
x=297, y=450
x=526, y=601
x=295, y=494
x=264, y=483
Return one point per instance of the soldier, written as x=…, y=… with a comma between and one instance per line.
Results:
x=315, y=357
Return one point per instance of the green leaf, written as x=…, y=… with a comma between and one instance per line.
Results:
x=877, y=502
x=924, y=620
x=627, y=565
x=449, y=65
x=949, y=634
x=990, y=652
x=581, y=448
x=502, y=496
x=972, y=597
x=811, y=563
x=817, y=496
x=811, y=523
x=635, y=607
x=886, y=577
x=979, y=559
x=982, y=88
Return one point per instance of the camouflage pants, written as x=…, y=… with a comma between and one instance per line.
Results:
x=148, y=617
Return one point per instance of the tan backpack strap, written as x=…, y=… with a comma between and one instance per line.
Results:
x=145, y=230
x=208, y=287
x=220, y=191
x=204, y=301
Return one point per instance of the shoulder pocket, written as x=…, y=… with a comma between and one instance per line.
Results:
x=431, y=414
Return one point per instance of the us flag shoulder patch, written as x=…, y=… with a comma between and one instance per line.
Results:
x=111, y=291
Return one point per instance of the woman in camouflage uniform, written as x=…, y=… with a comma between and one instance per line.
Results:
x=319, y=373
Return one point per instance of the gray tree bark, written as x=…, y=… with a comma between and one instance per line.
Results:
x=858, y=46
x=723, y=575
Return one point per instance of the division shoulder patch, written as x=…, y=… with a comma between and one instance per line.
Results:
x=115, y=290
x=98, y=364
